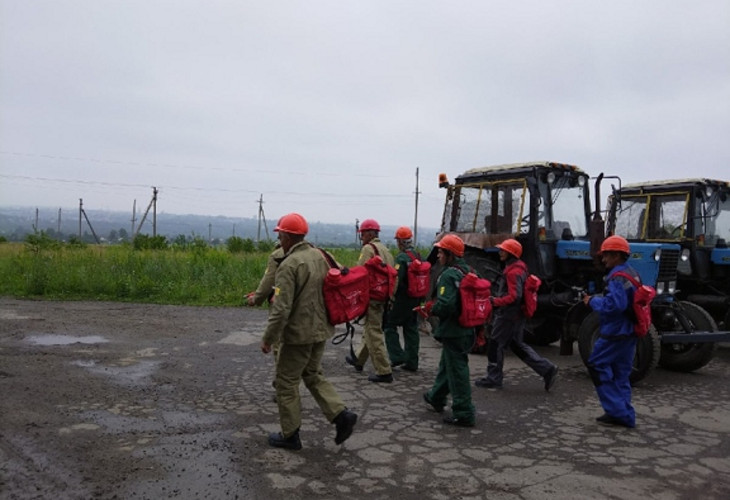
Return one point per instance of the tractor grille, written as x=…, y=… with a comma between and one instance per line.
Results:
x=668, y=265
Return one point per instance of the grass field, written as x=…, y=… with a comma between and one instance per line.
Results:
x=194, y=276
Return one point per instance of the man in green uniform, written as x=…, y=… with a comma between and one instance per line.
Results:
x=299, y=321
x=373, y=342
x=402, y=313
x=265, y=290
x=453, y=370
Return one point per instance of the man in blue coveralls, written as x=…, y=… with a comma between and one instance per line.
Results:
x=612, y=358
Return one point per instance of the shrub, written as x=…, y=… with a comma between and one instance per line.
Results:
x=235, y=244
x=147, y=242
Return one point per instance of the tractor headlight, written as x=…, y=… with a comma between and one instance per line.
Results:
x=660, y=288
x=658, y=254
x=672, y=287
x=684, y=267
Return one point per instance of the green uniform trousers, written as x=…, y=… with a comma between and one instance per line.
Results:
x=408, y=353
x=373, y=341
x=302, y=362
x=453, y=378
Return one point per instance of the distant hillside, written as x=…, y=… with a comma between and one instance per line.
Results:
x=17, y=222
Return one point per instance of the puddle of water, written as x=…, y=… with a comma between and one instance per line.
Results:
x=7, y=314
x=244, y=337
x=52, y=339
x=126, y=375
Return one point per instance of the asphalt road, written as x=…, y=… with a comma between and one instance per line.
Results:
x=107, y=400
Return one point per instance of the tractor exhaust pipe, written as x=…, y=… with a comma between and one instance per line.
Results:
x=597, y=229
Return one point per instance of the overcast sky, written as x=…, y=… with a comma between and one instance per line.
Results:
x=328, y=108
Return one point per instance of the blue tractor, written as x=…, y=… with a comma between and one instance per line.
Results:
x=546, y=206
x=687, y=222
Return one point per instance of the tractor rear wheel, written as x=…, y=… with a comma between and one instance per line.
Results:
x=647, y=352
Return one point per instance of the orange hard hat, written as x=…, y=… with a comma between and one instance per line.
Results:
x=511, y=246
x=403, y=233
x=452, y=243
x=369, y=225
x=292, y=223
x=615, y=244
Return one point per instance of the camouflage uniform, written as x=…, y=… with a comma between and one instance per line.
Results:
x=266, y=285
x=298, y=319
x=373, y=341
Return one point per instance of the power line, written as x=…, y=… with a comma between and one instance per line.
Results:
x=249, y=170
x=200, y=189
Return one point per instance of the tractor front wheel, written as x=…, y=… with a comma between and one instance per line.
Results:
x=687, y=357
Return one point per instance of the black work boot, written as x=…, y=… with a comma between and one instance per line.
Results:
x=550, y=378
x=386, y=379
x=277, y=440
x=431, y=405
x=353, y=362
x=459, y=422
x=344, y=423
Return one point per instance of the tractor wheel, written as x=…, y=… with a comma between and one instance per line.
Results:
x=485, y=267
x=647, y=352
x=689, y=357
x=543, y=332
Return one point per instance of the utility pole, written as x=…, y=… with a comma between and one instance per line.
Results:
x=262, y=217
x=415, y=219
x=35, y=226
x=82, y=212
x=153, y=203
x=154, y=211
x=134, y=217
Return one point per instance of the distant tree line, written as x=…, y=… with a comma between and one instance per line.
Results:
x=43, y=240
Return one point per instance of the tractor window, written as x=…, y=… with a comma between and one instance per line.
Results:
x=568, y=209
x=667, y=217
x=630, y=218
x=468, y=208
x=718, y=225
x=511, y=217
x=491, y=208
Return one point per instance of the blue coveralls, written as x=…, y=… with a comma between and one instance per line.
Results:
x=612, y=358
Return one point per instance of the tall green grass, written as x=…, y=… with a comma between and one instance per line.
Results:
x=199, y=276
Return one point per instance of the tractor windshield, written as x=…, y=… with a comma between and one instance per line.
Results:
x=660, y=216
x=568, y=216
x=491, y=207
x=503, y=207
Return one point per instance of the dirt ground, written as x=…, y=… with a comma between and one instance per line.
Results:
x=113, y=400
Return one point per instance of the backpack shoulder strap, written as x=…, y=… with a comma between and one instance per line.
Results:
x=628, y=277
x=413, y=256
x=375, y=249
x=463, y=273
x=330, y=260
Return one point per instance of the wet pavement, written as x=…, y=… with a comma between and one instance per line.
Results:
x=127, y=401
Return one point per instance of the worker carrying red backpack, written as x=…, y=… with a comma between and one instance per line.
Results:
x=640, y=312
